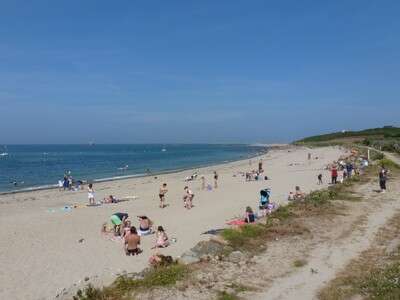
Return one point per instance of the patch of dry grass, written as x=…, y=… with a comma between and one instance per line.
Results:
x=375, y=274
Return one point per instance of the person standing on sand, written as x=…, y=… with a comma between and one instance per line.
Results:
x=161, y=194
x=334, y=175
x=188, y=198
x=260, y=166
x=91, y=194
x=382, y=179
x=215, y=179
x=320, y=179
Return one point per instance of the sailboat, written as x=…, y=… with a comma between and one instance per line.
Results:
x=5, y=153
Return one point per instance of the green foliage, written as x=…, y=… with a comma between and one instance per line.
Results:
x=383, y=283
x=299, y=263
x=241, y=236
x=320, y=197
x=389, y=164
x=283, y=212
x=123, y=286
x=376, y=155
x=387, y=131
x=226, y=296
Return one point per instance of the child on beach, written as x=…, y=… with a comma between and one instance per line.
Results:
x=161, y=194
x=126, y=228
x=161, y=238
x=132, y=241
x=118, y=220
x=320, y=179
x=203, y=182
x=334, y=175
x=188, y=198
x=91, y=194
x=299, y=195
x=250, y=216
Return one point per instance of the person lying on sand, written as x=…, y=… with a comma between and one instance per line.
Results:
x=249, y=215
x=110, y=199
x=144, y=225
x=132, y=241
x=161, y=238
x=188, y=198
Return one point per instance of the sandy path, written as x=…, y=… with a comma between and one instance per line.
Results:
x=331, y=256
x=40, y=248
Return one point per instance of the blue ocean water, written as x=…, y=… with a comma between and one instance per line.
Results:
x=31, y=166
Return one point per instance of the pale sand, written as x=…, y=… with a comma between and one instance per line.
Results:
x=39, y=250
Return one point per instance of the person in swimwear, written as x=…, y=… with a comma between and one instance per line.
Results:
x=215, y=180
x=161, y=238
x=161, y=194
x=132, y=242
x=144, y=225
x=188, y=198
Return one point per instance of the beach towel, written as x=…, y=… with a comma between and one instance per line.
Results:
x=237, y=222
x=96, y=204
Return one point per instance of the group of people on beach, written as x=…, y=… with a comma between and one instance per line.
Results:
x=188, y=194
x=256, y=174
x=68, y=183
x=131, y=236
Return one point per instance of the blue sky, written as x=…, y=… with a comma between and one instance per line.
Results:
x=195, y=71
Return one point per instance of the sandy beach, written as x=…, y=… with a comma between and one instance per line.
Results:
x=40, y=246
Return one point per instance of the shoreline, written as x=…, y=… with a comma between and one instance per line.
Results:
x=45, y=187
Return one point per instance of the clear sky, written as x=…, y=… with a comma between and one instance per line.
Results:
x=130, y=71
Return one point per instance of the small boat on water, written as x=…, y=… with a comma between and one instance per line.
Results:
x=163, y=150
x=4, y=153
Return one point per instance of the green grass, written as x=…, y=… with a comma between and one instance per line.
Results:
x=382, y=283
x=389, y=164
x=241, y=237
x=369, y=278
x=299, y=263
x=226, y=296
x=124, y=287
x=387, y=132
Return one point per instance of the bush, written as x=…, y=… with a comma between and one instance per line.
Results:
x=321, y=197
x=383, y=284
x=239, y=237
x=389, y=164
x=123, y=286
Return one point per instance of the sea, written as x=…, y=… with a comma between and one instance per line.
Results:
x=31, y=167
